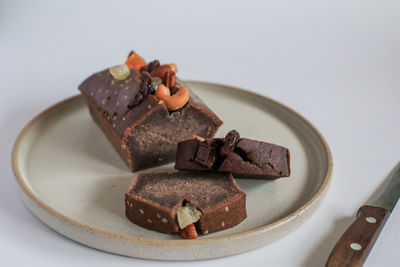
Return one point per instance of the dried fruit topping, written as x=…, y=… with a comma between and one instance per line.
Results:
x=120, y=72
x=173, y=102
x=187, y=214
x=156, y=81
x=135, y=61
x=189, y=232
x=230, y=141
x=151, y=66
x=166, y=74
x=147, y=84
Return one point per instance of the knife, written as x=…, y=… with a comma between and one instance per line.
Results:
x=353, y=247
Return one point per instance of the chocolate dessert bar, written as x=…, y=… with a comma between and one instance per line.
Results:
x=144, y=110
x=244, y=158
x=171, y=202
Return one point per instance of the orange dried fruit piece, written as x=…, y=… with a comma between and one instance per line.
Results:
x=135, y=61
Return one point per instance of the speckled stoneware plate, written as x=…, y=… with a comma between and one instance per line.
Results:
x=70, y=177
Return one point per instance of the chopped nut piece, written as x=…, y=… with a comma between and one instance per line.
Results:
x=173, y=102
x=173, y=66
x=120, y=72
x=198, y=138
x=166, y=74
x=187, y=214
x=189, y=232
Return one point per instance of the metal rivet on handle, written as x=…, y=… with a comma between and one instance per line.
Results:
x=355, y=246
x=370, y=219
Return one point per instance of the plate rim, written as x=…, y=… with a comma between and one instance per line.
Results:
x=168, y=242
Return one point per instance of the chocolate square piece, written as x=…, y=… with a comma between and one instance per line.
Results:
x=138, y=124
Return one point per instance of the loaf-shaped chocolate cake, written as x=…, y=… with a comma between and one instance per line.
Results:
x=144, y=110
x=244, y=158
x=171, y=202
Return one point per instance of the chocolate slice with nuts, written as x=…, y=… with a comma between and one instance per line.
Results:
x=243, y=157
x=172, y=202
x=144, y=110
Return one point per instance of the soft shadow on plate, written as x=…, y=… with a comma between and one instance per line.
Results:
x=94, y=144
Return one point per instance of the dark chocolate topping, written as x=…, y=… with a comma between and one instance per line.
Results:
x=169, y=189
x=110, y=94
x=115, y=97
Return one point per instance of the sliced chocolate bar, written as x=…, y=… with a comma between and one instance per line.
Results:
x=244, y=158
x=145, y=112
x=171, y=202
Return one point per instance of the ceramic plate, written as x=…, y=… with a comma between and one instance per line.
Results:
x=70, y=177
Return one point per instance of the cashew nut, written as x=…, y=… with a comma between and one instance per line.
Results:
x=173, y=102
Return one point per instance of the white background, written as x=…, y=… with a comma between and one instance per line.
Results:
x=335, y=62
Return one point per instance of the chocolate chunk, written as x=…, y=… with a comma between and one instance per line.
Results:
x=187, y=154
x=205, y=155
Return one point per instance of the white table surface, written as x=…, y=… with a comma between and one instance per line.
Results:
x=337, y=63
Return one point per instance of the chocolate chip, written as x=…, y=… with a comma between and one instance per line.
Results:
x=230, y=141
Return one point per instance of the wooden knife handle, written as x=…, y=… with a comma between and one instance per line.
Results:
x=353, y=247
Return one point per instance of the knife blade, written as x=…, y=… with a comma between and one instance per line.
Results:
x=354, y=245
